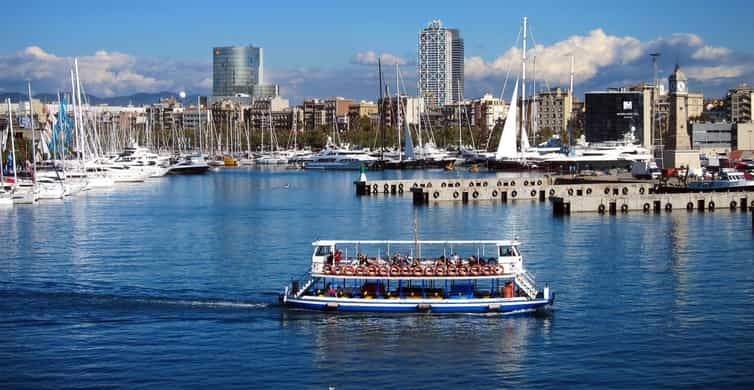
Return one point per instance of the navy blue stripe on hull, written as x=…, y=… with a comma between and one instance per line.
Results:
x=407, y=308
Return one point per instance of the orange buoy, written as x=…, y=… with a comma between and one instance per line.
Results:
x=498, y=270
x=418, y=271
x=486, y=270
x=348, y=270
x=361, y=270
x=429, y=271
x=372, y=270
x=338, y=270
x=327, y=269
x=463, y=271
x=405, y=271
x=474, y=271
x=452, y=271
x=440, y=271
x=384, y=271
x=395, y=271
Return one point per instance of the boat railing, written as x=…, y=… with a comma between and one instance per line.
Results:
x=527, y=282
x=299, y=285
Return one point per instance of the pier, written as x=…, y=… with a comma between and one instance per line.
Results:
x=654, y=203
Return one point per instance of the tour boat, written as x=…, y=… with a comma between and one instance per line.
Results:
x=419, y=276
x=725, y=182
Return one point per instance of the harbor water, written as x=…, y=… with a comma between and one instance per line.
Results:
x=173, y=283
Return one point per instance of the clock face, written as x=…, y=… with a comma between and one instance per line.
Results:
x=681, y=86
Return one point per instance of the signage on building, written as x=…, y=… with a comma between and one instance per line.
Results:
x=628, y=105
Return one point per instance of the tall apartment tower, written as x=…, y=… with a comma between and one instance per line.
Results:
x=236, y=70
x=440, y=65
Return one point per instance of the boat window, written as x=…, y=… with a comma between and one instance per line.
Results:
x=507, y=250
x=322, y=251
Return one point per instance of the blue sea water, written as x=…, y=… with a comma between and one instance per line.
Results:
x=173, y=283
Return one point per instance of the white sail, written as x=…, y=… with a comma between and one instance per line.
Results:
x=507, y=146
x=409, y=143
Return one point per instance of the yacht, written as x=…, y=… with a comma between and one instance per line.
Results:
x=597, y=156
x=339, y=158
x=419, y=276
x=142, y=159
x=189, y=164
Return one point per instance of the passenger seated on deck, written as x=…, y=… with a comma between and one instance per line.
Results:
x=338, y=255
x=330, y=291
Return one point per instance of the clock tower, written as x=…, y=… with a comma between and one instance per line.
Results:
x=677, y=149
x=678, y=134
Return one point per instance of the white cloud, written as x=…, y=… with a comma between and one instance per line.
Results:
x=705, y=73
x=593, y=52
x=710, y=53
x=103, y=73
x=370, y=58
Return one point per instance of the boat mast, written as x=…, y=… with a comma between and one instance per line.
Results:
x=12, y=145
x=398, y=112
x=382, y=110
x=570, y=93
x=523, y=80
x=33, y=139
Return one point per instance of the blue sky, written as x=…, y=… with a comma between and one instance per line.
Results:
x=310, y=47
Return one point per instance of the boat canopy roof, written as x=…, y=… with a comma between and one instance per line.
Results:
x=412, y=242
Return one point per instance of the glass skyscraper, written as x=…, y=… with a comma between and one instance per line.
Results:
x=440, y=65
x=236, y=70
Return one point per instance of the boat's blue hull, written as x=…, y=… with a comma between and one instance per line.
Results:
x=408, y=306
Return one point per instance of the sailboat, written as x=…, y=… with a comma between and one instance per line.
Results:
x=508, y=157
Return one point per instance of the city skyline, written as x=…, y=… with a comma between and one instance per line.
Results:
x=308, y=57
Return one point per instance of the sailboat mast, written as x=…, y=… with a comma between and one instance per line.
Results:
x=33, y=138
x=382, y=110
x=523, y=80
x=570, y=93
x=12, y=145
x=398, y=112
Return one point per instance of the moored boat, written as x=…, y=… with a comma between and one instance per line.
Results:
x=491, y=280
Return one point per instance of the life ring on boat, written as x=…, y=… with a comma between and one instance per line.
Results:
x=498, y=270
x=439, y=271
x=514, y=193
x=361, y=270
x=733, y=204
x=395, y=271
x=625, y=190
x=405, y=271
x=607, y=191
x=624, y=208
x=372, y=270
x=455, y=195
x=452, y=271
x=494, y=193
x=641, y=191
x=486, y=270
x=499, y=183
x=348, y=270
x=526, y=183
x=690, y=206
x=601, y=209
x=533, y=192
x=417, y=271
x=646, y=207
x=463, y=271
x=552, y=192
x=384, y=271
x=668, y=207
x=429, y=271
x=400, y=188
x=327, y=269
x=435, y=194
x=475, y=270
x=711, y=206
x=338, y=270
x=475, y=194
x=588, y=191
x=539, y=182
